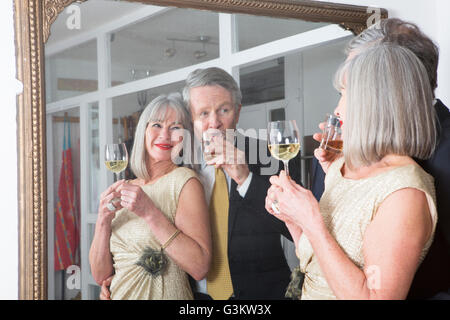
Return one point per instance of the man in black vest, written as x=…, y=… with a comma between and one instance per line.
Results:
x=254, y=266
x=432, y=279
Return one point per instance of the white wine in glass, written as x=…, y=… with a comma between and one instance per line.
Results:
x=116, y=158
x=116, y=166
x=284, y=152
x=283, y=141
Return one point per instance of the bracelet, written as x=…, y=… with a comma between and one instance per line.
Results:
x=165, y=245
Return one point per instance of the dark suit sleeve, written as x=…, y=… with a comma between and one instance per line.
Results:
x=433, y=274
x=440, y=170
x=257, y=191
x=318, y=180
x=255, y=200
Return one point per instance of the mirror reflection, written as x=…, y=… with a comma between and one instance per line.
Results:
x=104, y=68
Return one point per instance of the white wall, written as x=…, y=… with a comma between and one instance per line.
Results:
x=430, y=15
x=443, y=39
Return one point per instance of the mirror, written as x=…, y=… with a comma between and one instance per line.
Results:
x=90, y=67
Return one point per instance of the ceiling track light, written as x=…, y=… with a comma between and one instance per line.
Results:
x=170, y=52
x=198, y=54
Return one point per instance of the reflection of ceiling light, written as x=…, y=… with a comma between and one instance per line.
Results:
x=170, y=52
x=203, y=39
x=137, y=74
x=200, y=54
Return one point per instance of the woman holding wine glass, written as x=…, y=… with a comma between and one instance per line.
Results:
x=153, y=231
x=376, y=219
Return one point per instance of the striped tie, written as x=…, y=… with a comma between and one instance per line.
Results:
x=219, y=279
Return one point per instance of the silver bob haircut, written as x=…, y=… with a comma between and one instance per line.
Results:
x=212, y=77
x=156, y=110
x=389, y=106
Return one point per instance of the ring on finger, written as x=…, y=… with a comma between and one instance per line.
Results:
x=111, y=206
x=275, y=206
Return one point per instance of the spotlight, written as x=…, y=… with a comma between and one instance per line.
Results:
x=199, y=54
x=170, y=52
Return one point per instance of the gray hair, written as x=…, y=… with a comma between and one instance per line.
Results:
x=402, y=33
x=389, y=106
x=156, y=110
x=212, y=77
x=366, y=39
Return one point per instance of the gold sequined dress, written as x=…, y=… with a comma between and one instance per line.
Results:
x=348, y=206
x=131, y=235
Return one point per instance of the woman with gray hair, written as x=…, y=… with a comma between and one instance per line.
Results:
x=376, y=219
x=159, y=230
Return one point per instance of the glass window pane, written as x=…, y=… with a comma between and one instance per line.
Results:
x=262, y=82
x=93, y=291
x=278, y=114
x=257, y=30
x=72, y=72
x=319, y=95
x=94, y=158
x=173, y=39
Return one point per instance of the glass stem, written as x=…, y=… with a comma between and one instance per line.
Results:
x=286, y=166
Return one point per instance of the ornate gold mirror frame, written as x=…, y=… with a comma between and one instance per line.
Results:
x=33, y=19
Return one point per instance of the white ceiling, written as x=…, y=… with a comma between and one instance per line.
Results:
x=145, y=42
x=142, y=45
x=94, y=13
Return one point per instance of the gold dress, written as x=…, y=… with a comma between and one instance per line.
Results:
x=348, y=206
x=131, y=235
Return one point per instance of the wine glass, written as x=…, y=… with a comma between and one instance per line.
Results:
x=116, y=158
x=283, y=141
x=284, y=144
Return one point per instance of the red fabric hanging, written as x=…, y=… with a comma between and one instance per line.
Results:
x=66, y=213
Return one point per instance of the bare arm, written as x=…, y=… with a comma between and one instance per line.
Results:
x=100, y=257
x=392, y=246
x=191, y=250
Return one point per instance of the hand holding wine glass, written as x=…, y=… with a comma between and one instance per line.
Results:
x=283, y=143
x=116, y=160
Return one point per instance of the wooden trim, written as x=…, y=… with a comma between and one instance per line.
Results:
x=350, y=17
x=31, y=151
